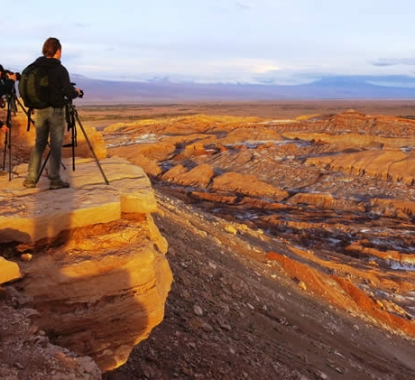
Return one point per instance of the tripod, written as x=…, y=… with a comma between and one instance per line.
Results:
x=72, y=118
x=11, y=100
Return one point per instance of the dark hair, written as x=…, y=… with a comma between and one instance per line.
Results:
x=51, y=46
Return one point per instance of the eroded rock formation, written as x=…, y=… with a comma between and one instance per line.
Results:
x=336, y=190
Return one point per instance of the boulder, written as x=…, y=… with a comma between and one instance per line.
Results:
x=8, y=271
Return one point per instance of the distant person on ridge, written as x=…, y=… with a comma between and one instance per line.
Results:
x=50, y=120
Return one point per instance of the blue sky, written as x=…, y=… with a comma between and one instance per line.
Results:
x=255, y=41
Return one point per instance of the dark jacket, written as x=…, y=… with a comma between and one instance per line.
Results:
x=59, y=84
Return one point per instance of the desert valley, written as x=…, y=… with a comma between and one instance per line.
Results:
x=289, y=233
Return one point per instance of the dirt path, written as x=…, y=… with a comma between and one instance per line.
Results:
x=231, y=314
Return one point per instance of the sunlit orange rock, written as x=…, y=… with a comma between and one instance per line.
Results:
x=246, y=184
x=8, y=271
x=199, y=176
x=272, y=256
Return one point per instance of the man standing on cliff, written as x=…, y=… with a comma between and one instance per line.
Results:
x=50, y=121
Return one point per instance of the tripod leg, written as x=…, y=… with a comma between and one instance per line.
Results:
x=43, y=167
x=73, y=144
x=90, y=147
x=8, y=148
x=5, y=150
x=10, y=155
x=9, y=132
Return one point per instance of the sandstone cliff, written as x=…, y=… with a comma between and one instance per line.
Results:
x=88, y=260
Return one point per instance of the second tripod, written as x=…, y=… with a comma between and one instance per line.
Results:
x=11, y=107
x=72, y=118
x=11, y=101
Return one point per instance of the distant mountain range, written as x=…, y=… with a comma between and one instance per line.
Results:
x=164, y=90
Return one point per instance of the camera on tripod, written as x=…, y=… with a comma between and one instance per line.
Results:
x=6, y=74
x=7, y=83
x=81, y=94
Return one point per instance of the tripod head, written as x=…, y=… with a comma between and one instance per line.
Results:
x=70, y=110
x=70, y=114
x=9, y=99
x=8, y=94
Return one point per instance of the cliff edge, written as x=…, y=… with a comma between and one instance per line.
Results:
x=88, y=263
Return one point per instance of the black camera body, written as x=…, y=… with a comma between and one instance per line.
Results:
x=7, y=85
x=5, y=74
x=18, y=75
x=81, y=95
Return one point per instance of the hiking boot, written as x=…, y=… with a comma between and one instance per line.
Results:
x=29, y=183
x=58, y=184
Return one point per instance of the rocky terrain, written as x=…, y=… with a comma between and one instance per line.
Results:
x=329, y=199
x=234, y=314
x=337, y=189
x=290, y=242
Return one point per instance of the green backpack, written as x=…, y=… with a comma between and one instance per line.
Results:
x=34, y=86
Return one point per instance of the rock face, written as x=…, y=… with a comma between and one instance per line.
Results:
x=100, y=293
x=92, y=260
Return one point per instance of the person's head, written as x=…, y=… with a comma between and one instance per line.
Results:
x=52, y=48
